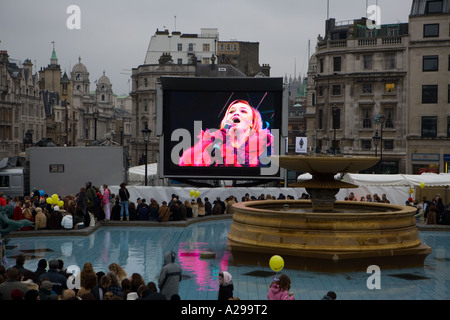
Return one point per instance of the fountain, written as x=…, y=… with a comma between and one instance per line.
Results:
x=323, y=234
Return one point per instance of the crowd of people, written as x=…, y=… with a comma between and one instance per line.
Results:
x=51, y=281
x=94, y=204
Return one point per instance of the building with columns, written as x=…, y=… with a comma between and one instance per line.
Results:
x=384, y=91
x=22, y=115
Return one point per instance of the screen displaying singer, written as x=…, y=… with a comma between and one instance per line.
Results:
x=240, y=141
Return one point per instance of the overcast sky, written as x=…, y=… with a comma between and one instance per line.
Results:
x=115, y=34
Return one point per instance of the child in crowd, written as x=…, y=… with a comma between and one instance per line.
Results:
x=279, y=289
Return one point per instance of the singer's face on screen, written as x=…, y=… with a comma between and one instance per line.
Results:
x=241, y=115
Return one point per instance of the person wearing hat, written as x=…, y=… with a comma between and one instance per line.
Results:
x=12, y=283
x=55, y=218
x=194, y=206
x=57, y=279
x=45, y=290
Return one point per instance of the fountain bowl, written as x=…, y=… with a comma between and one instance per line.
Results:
x=352, y=237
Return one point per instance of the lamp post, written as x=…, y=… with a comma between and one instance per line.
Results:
x=334, y=110
x=95, y=115
x=121, y=135
x=376, y=141
x=146, y=133
x=381, y=119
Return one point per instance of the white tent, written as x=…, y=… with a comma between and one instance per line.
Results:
x=136, y=175
x=395, y=186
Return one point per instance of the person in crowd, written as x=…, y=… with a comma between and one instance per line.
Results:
x=153, y=210
x=124, y=196
x=170, y=276
x=54, y=221
x=41, y=269
x=115, y=287
x=201, y=207
x=100, y=289
x=12, y=283
x=194, y=207
x=208, y=207
x=118, y=271
x=20, y=264
x=432, y=215
x=40, y=221
x=106, y=201
x=67, y=221
x=225, y=286
x=143, y=210
x=188, y=207
x=229, y=203
x=27, y=214
x=59, y=282
x=279, y=289
x=331, y=295
x=89, y=282
x=136, y=281
x=164, y=212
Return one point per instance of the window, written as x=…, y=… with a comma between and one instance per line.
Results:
x=336, y=118
x=337, y=64
x=388, y=144
x=371, y=33
x=448, y=94
x=367, y=62
x=320, y=120
x=180, y=47
x=366, y=144
x=367, y=88
x=433, y=7
x=190, y=47
x=390, y=62
x=336, y=90
x=180, y=61
x=393, y=31
x=389, y=118
x=322, y=65
x=448, y=127
x=206, y=47
x=56, y=168
x=235, y=47
x=367, y=118
x=429, y=127
x=431, y=30
x=206, y=60
x=430, y=94
x=430, y=63
x=389, y=88
x=321, y=91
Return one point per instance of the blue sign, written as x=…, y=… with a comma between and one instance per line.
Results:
x=446, y=157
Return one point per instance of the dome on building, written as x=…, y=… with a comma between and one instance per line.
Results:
x=79, y=67
x=104, y=80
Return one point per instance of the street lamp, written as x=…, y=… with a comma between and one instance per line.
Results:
x=335, y=111
x=95, y=115
x=381, y=119
x=146, y=133
x=376, y=141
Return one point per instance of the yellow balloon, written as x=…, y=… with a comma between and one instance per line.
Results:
x=197, y=193
x=192, y=193
x=55, y=201
x=55, y=197
x=422, y=185
x=276, y=263
x=411, y=191
x=49, y=200
x=61, y=204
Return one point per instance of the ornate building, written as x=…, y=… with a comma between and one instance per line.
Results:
x=22, y=116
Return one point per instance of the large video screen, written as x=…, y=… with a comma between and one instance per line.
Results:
x=221, y=127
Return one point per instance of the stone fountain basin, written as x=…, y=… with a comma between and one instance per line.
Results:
x=354, y=231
